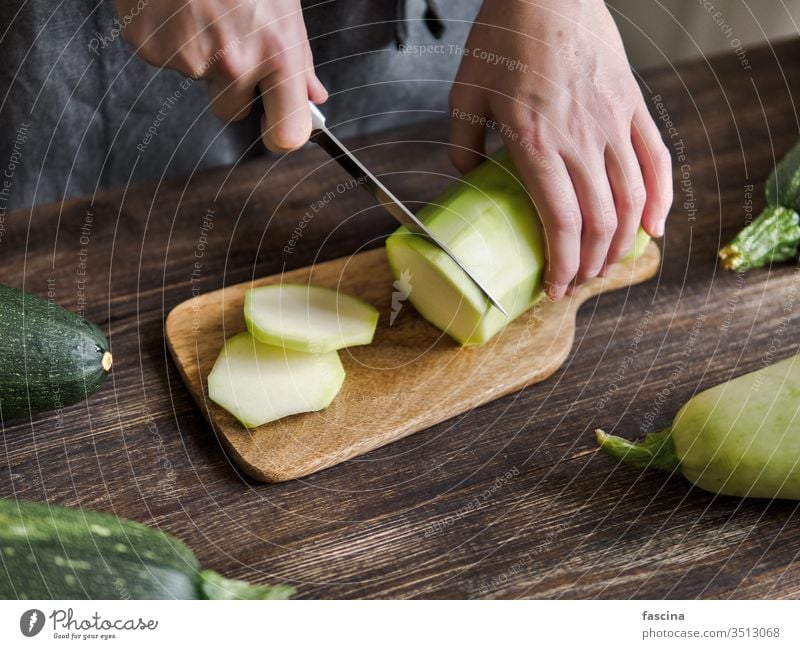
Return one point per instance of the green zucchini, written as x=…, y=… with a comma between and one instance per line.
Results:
x=51, y=358
x=52, y=552
x=771, y=238
x=774, y=235
x=740, y=438
x=783, y=184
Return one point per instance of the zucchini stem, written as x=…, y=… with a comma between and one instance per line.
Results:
x=731, y=257
x=655, y=451
x=213, y=585
x=772, y=237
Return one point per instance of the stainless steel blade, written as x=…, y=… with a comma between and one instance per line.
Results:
x=364, y=177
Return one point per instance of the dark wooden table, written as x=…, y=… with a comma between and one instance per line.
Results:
x=510, y=500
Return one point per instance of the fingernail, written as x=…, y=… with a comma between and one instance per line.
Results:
x=659, y=230
x=556, y=291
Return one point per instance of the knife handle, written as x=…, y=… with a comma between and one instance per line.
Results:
x=317, y=118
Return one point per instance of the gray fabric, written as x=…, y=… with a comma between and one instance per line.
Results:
x=373, y=84
x=89, y=112
x=80, y=113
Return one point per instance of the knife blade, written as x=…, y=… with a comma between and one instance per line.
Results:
x=321, y=135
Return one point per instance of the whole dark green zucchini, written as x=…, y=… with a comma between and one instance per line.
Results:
x=49, y=358
x=771, y=238
x=774, y=235
x=783, y=184
x=51, y=552
x=740, y=438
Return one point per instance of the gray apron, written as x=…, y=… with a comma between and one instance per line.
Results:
x=80, y=113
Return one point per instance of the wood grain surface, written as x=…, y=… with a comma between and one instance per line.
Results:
x=410, y=378
x=507, y=500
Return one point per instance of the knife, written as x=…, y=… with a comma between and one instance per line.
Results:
x=343, y=156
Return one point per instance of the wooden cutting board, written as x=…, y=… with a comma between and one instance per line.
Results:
x=411, y=377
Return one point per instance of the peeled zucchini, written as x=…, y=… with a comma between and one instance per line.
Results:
x=308, y=318
x=258, y=383
x=489, y=222
x=740, y=438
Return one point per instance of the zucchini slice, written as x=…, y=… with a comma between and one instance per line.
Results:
x=308, y=318
x=258, y=383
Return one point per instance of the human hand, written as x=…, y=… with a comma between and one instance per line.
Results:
x=554, y=77
x=240, y=47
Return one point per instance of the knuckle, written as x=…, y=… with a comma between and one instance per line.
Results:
x=285, y=139
x=633, y=200
x=565, y=270
x=134, y=35
x=602, y=226
x=566, y=224
x=531, y=133
x=638, y=196
x=579, y=130
x=663, y=158
x=187, y=64
x=460, y=158
x=455, y=99
x=279, y=56
x=231, y=66
x=220, y=111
